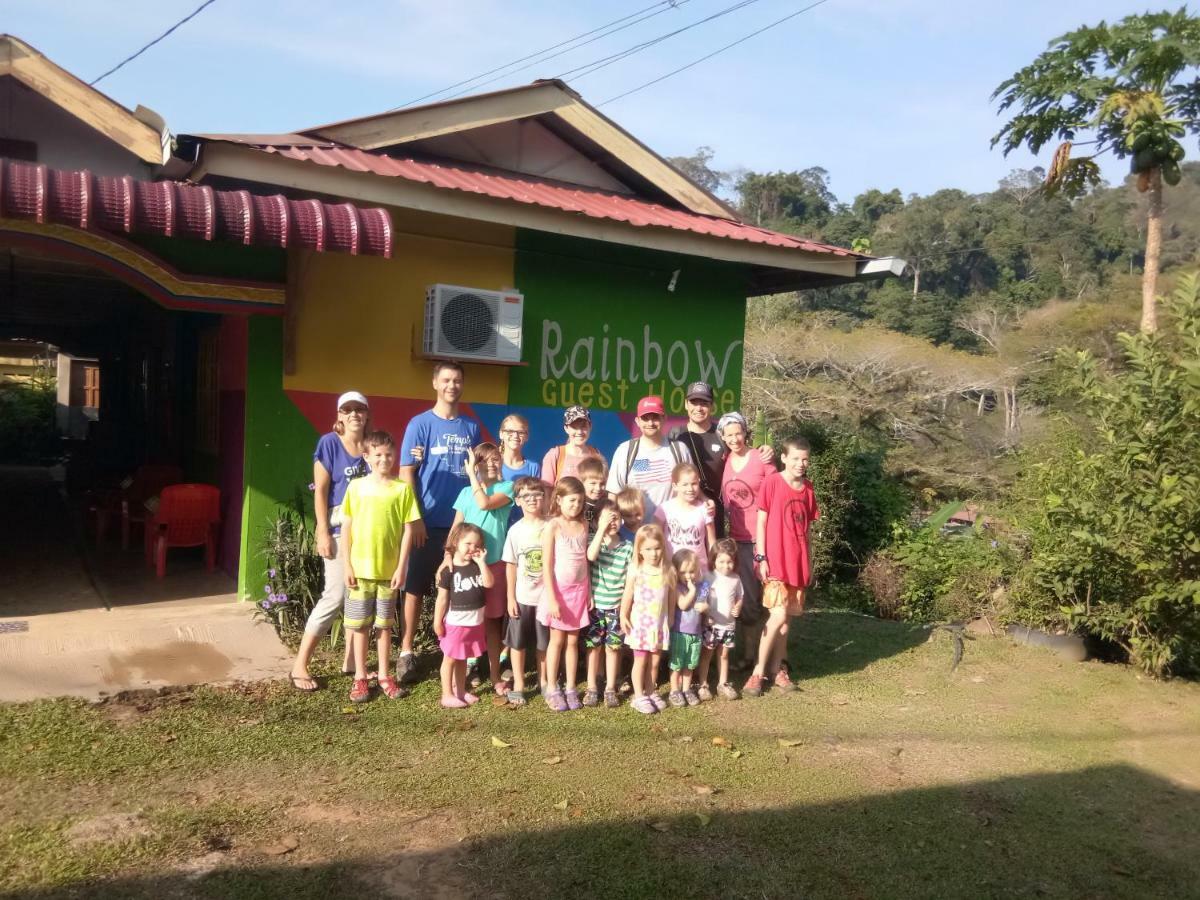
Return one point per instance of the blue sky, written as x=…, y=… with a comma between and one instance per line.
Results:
x=881, y=93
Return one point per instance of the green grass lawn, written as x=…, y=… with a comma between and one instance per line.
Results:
x=886, y=776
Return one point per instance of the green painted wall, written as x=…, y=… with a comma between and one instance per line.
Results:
x=279, y=442
x=221, y=258
x=603, y=326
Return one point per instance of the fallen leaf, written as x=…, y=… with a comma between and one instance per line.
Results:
x=704, y=790
x=167, y=738
x=496, y=742
x=576, y=812
x=661, y=826
x=350, y=710
x=285, y=845
x=840, y=700
x=686, y=739
x=561, y=804
x=736, y=754
x=703, y=819
x=977, y=679
x=790, y=742
x=552, y=760
x=721, y=742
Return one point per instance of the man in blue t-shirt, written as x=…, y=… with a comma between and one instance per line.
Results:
x=433, y=457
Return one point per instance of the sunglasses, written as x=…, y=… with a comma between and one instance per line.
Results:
x=351, y=410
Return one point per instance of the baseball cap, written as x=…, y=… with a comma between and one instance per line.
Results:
x=575, y=413
x=352, y=397
x=652, y=405
x=700, y=390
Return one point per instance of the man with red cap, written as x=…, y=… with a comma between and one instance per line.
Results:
x=646, y=462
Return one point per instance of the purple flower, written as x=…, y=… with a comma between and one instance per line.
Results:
x=270, y=573
x=266, y=589
x=312, y=486
x=266, y=604
x=281, y=598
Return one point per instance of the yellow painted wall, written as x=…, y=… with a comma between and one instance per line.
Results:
x=356, y=320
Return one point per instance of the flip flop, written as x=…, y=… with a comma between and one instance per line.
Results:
x=304, y=690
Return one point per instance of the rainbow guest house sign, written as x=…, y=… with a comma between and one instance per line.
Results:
x=614, y=368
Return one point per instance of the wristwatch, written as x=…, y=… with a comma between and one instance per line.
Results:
x=759, y=557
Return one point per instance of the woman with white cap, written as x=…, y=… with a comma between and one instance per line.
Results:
x=337, y=460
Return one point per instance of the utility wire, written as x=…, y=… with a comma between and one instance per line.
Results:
x=672, y=5
x=199, y=9
x=669, y=3
x=714, y=53
x=598, y=64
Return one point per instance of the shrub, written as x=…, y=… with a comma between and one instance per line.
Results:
x=28, y=433
x=1112, y=513
x=295, y=573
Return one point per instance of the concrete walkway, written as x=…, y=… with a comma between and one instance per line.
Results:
x=59, y=638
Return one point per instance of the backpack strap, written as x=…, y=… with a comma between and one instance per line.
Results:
x=674, y=445
x=630, y=456
x=558, y=465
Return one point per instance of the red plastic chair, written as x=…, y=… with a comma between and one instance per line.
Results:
x=187, y=516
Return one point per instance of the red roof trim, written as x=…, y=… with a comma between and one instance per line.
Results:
x=591, y=202
x=173, y=209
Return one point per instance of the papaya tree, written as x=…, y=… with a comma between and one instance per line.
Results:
x=1131, y=89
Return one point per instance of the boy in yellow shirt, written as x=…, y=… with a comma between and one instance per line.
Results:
x=377, y=516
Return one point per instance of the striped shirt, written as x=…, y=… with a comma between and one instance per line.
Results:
x=608, y=574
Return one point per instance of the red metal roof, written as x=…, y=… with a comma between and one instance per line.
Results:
x=541, y=192
x=172, y=209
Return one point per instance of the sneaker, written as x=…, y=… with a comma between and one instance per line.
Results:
x=753, y=686
x=515, y=698
x=727, y=691
x=572, y=698
x=691, y=698
x=675, y=698
x=611, y=700
x=644, y=705
x=782, y=682
x=406, y=667
x=657, y=699
x=704, y=693
x=591, y=698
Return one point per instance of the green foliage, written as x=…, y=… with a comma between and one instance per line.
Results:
x=798, y=202
x=697, y=167
x=27, y=429
x=295, y=573
x=1113, y=516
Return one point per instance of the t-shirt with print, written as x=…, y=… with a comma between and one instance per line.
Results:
x=650, y=471
x=492, y=522
x=608, y=574
x=378, y=512
x=342, y=468
x=466, y=594
x=790, y=512
x=512, y=473
x=441, y=474
x=686, y=528
x=725, y=594
x=523, y=548
x=691, y=621
x=739, y=490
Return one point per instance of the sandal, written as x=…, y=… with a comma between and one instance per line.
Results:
x=304, y=690
x=591, y=698
x=515, y=698
x=611, y=700
x=572, y=698
x=360, y=691
x=556, y=701
x=391, y=689
x=502, y=687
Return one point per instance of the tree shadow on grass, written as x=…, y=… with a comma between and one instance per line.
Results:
x=1112, y=831
x=835, y=642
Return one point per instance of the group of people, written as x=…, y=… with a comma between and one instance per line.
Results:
x=664, y=552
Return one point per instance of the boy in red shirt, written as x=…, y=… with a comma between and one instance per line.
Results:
x=787, y=507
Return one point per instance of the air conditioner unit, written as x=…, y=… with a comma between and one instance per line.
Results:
x=473, y=324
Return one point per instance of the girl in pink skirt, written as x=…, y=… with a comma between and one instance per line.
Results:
x=647, y=609
x=458, y=615
x=566, y=593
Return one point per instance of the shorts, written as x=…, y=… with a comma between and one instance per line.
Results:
x=495, y=598
x=718, y=636
x=752, y=588
x=371, y=602
x=605, y=629
x=525, y=632
x=777, y=595
x=423, y=562
x=685, y=651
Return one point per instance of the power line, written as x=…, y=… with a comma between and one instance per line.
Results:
x=605, y=61
x=666, y=4
x=715, y=52
x=199, y=9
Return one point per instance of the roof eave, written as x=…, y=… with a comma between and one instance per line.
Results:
x=768, y=280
